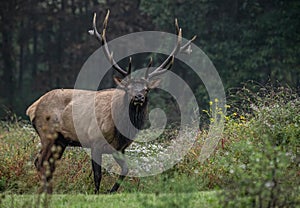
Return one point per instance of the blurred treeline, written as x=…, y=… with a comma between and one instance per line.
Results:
x=45, y=43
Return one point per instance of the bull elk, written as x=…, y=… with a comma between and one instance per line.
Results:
x=52, y=117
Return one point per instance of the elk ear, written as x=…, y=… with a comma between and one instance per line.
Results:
x=120, y=83
x=154, y=83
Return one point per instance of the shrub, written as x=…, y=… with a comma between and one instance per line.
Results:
x=260, y=162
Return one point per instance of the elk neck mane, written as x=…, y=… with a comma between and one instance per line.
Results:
x=137, y=115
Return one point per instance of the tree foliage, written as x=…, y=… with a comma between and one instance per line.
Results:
x=45, y=43
x=246, y=40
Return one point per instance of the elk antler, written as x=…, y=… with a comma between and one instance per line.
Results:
x=165, y=66
x=168, y=63
x=102, y=39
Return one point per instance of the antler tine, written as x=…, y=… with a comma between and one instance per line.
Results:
x=148, y=68
x=95, y=31
x=168, y=67
x=177, y=26
x=129, y=68
x=187, y=47
x=106, y=19
x=102, y=40
x=166, y=64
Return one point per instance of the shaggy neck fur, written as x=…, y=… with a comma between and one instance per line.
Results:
x=137, y=114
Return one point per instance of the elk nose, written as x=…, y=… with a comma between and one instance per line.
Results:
x=139, y=97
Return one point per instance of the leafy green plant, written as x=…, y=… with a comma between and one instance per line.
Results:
x=261, y=160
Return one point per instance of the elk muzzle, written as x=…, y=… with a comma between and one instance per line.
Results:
x=139, y=99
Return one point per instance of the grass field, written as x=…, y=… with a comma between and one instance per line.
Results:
x=132, y=200
x=256, y=164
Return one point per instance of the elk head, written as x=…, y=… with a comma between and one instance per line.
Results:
x=137, y=89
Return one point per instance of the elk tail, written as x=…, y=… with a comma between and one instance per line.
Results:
x=31, y=110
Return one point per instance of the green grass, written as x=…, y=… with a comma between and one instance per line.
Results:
x=194, y=199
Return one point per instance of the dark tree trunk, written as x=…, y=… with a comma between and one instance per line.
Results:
x=8, y=61
x=60, y=45
x=35, y=61
x=21, y=59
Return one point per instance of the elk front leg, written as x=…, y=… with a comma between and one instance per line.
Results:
x=96, y=165
x=119, y=158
